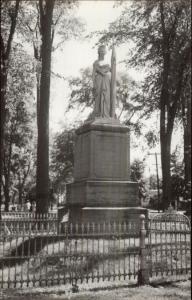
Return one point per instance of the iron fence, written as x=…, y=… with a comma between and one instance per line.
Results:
x=75, y=253
x=169, y=245
x=20, y=223
x=42, y=252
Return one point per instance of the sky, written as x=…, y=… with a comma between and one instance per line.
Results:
x=75, y=55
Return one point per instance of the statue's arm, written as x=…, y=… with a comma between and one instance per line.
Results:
x=106, y=68
x=98, y=69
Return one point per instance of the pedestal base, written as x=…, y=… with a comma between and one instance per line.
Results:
x=103, y=193
x=106, y=214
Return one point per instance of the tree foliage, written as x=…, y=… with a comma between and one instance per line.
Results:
x=185, y=117
x=9, y=14
x=151, y=138
x=62, y=158
x=160, y=31
x=64, y=27
x=137, y=169
x=81, y=90
x=46, y=25
x=81, y=96
x=178, y=187
x=18, y=150
x=153, y=182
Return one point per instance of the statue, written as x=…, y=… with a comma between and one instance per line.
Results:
x=104, y=79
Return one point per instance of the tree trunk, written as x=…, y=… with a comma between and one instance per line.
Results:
x=186, y=155
x=187, y=145
x=2, y=125
x=6, y=164
x=165, y=139
x=5, y=54
x=42, y=180
x=6, y=194
x=38, y=98
x=166, y=173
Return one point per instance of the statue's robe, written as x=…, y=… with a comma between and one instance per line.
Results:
x=102, y=89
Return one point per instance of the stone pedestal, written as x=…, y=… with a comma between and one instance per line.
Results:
x=102, y=152
x=106, y=214
x=102, y=174
x=103, y=193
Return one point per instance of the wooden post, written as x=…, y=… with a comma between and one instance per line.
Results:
x=143, y=274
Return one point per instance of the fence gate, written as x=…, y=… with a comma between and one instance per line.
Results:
x=169, y=245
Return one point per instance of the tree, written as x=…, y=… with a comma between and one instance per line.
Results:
x=153, y=182
x=62, y=158
x=178, y=187
x=185, y=116
x=82, y=90
x=42, y=180
x=160, y=31
x=176, y=55
x=18, y=129
x=81, y=96
x=9, y=14
x=17, y=153
x=64, y=26
x=44, y=20
x=152, y=138
x=22, y=169
x=137, y=169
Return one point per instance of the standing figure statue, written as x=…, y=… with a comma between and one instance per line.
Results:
x=104, y=85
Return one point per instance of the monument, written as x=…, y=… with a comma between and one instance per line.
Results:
x=102, y=190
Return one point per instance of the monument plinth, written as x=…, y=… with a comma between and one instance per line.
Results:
x=102, y=152
x=102, y=189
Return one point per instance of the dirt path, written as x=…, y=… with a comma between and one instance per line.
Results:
x=174, y=291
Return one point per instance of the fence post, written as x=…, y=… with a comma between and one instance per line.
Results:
x=143, y=274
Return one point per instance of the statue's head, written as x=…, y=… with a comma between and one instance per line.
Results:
x=102, y=50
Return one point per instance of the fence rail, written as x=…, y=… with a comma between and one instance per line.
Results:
x=23, y=215
x=42, y=251
x=27, y=223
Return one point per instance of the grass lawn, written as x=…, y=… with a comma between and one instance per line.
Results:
x=172, y=291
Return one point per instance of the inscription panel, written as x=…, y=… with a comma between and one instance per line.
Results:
x=100, y=193
x=102, y=155
x=113, y=193
x=111, y=156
